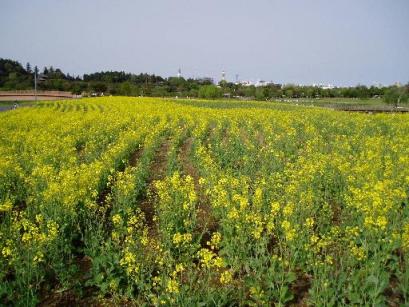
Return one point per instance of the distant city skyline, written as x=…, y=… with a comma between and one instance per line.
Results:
x=340, y=42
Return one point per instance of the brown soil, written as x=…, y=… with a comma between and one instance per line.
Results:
x=392, y=293
x=300, y=289
x=205, y=219
x=187, y=165
x=135, y=156
x=157, y=172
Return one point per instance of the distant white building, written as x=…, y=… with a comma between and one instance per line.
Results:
x=245, y=83
x=262, y=83
x=324, y=86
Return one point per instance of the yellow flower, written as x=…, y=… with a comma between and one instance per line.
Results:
x=187, y=238
x=172, y=286
x=177, y=238
x=144, y=238
x=358, y=252
x=26, y=237
x=113, y=285
x=6, y=206
x=286, y=225
x=39, y=218
x=309, y=222
x=226, y=277
x=129, y=262
x=52, y=228
x=289, y=231
x=206, y=257
x=382, y=222
x=218, y=262
x=329, y=259
x=179, y=268
x=6, y=251
x=275, y=208
x=233, y=214
x=39, y=257
x=215, y=240
x=115, y=236
x=116, y=219
x=288, y=210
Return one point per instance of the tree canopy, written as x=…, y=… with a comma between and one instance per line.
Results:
x=397, y=95
x=13, y=76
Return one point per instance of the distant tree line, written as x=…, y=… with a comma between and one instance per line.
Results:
x=13, y=76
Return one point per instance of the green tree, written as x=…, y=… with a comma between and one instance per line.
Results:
x=210, y=92
x=125, y=89
x=397, y=95
x=99, y=87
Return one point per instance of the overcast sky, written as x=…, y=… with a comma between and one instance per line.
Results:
x=343, y=42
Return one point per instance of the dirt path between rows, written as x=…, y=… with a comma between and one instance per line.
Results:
x=157, y=172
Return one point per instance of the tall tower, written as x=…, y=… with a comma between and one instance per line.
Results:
x=179, y=73
x=237, y=78
x=223, y=75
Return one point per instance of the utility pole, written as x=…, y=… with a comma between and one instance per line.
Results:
x=35, y=83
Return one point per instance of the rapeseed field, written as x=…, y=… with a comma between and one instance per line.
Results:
x=147, y=201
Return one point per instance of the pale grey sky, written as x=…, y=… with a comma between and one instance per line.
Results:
x=344, y=42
